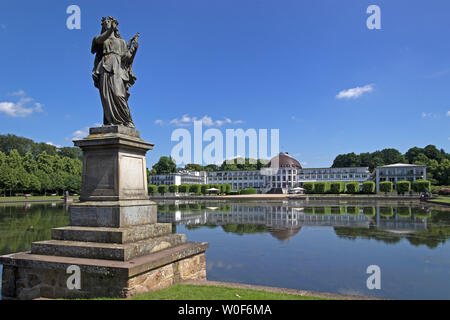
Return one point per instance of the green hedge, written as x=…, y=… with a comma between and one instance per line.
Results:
x=152, y=189
x=248, y=191
x=368, y=187
x=321, y=187
x=337, y=187
x=386, y=186
x=352, y=187
x=183, y=188
x=173, y=188
x=309, y=187
x=225, y=188
x=421, y=185
x=204, y=188
x=403, y=187
x=195, y=188
x=163, y=189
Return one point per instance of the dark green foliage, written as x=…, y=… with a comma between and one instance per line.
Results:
x=403, y=187
x=39, y=174
x=163, y=189
x=204, y=188
x=368, y=187
x=322, y=187
x=165, y=165
x=421, y=185
x=248, y=191
x=386, y=186
x=152, y=189
x=194, y=188
x=309, y=187
x=352, y=187
x=183, y=188
x=173, y=188
x=337, y=187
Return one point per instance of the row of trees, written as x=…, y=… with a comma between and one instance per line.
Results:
x=199, y=189
x=40, y=173
x=367, y=187
x=437, y=161
x=190, y=188
x=167, y=165
x=353, y=187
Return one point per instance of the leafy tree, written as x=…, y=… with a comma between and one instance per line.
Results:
x=352, y=187
x=163, y=189
x=165, y=165
x=403, y=187
x=368, y=187
x=173, y=188
x=386, y=186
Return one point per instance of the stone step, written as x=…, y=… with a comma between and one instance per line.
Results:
x=112, y=235
x=106, y=251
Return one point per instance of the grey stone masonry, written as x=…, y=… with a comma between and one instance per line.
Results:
x=113, y=236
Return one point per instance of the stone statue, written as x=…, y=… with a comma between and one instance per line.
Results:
x=112, y=72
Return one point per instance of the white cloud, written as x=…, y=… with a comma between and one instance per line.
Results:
x=448, y=113
x=80, y=134
x=52, y=144
x=160, y=122
x=355, y=93
x=20, y=109
x=426, y=115
x=207, y=121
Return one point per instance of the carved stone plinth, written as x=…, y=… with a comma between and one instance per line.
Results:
x=113, y=237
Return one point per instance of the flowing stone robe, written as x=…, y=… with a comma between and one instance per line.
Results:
x=113, y=77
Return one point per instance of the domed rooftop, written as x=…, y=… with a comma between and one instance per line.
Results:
x=283, y=160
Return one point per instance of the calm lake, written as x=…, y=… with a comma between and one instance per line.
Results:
x=310, y=245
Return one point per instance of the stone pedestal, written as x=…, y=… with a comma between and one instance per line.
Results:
x=113, y=236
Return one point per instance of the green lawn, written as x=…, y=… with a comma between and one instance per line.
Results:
x=191, y=292
x=441, y=199
x=22, y=198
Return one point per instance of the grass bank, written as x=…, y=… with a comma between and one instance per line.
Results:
x=33, y=198
x=441, y=200
x=196, y=292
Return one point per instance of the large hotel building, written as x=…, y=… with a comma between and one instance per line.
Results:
x=282, y=172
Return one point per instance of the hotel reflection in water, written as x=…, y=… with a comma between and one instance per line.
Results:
x=285, y=220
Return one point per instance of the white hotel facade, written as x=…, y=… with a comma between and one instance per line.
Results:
x=282, y=172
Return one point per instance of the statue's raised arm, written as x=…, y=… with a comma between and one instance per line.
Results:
x=112, y=72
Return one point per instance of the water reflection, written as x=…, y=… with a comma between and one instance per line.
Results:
x=284, y=220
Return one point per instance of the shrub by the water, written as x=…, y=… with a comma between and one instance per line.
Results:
x=368, y=187
x=421, y=185
x=163, y=189
x=387, y=211
x=248, y=191
x=337, y=187
x=352, y=187
x=404, y=211
x=403, y=187
x=183, y=188
x=309, y=187
x=353, y=210
x=194, y=188
x=173, y=188
x=204, y=188
x=152, y=189
x=322, y=187
x=386, y=186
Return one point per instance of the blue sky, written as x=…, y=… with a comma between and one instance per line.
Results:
x=262, y=64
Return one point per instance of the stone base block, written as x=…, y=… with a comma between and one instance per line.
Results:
x=28, y=276
x=107, y=251
x=113, y=214
x=112, y=235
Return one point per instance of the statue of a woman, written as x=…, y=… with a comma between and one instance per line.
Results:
x=112, y=72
